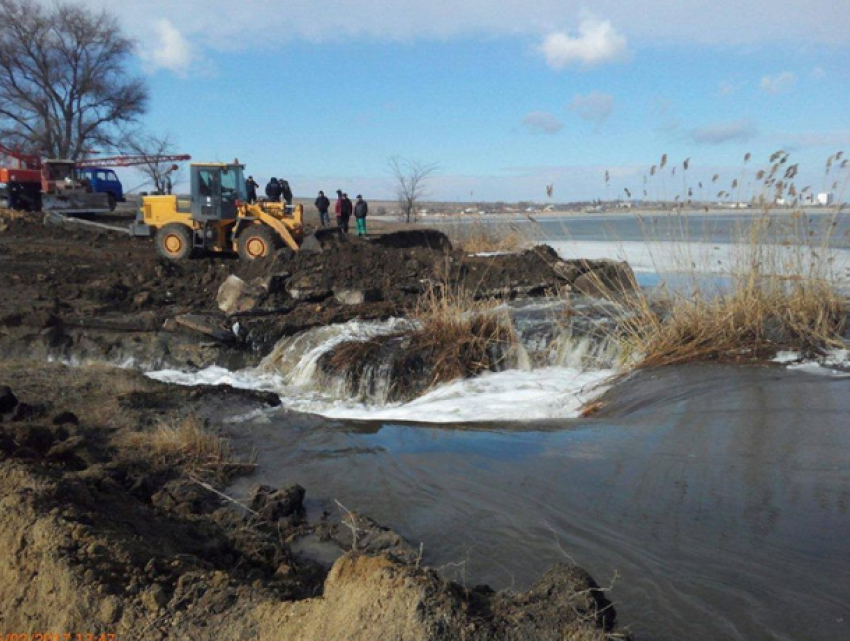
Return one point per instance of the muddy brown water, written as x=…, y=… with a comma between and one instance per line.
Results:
x=715, y=498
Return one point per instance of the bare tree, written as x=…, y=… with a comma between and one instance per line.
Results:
x=63, y=83
x=409, y=178
x=151, y=148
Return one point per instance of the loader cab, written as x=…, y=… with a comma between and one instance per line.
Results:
x=217, y=190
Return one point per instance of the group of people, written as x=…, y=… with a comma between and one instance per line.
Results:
x=278, y=190
x=343, y=210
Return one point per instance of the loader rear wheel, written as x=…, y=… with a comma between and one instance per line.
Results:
x=174, y=241
x=258, y=241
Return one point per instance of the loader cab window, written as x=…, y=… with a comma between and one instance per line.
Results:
x=232, y=185
x=208, y=182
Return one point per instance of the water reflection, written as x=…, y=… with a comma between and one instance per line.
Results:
x=718, y=496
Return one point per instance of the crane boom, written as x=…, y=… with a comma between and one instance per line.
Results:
x=129, y=161
x=25, y=160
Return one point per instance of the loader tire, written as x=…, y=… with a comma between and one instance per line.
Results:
x=174, y=241
x=258, y=241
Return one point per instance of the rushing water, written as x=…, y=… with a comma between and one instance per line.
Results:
x=715, y=499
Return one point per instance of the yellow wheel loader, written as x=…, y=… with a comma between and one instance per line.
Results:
x=216, y=217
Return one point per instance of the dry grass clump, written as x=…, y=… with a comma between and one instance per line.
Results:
x=460, y=336
x=188, y=443
x=782, y=296
x=11, y=214
x=455, y=337
x=754, y=320
x=479, y=237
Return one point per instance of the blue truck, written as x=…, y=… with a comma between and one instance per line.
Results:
x=103, y=181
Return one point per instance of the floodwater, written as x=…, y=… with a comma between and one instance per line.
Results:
x=714, y=499
x=817, y=226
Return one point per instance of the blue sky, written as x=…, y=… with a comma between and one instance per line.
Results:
x=506, y=96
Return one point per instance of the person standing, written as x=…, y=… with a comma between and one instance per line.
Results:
x=338, y=208
x=273, y=190
x=251, y=189
x=285, y=192
x=322, y=204
x=347, y=209
x=361, y=208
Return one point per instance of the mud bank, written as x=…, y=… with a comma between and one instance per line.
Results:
x=101, y=296
x=104, y=533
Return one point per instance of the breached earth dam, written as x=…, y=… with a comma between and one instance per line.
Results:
x=711, y=499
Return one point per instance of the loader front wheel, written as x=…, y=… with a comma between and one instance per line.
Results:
x=174, y=241
x=258, y=241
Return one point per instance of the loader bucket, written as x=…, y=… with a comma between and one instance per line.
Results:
x=322, y=240
x=76, y=203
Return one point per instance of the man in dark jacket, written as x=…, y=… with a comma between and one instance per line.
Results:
x=361, y=208
x=251, y=189
x=273, y=190
x=322, y=204
x=346, y=210
x=285, y=191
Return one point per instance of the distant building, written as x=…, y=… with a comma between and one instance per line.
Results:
x=825, y=199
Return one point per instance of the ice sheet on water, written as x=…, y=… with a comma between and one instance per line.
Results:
x=835, y=362
x=670, y=257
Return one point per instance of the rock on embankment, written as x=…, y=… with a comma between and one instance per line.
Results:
x=398, y=267
x=355, y=278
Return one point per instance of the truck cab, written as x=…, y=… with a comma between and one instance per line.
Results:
x=103, y=181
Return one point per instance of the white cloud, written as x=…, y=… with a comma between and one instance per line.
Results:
x=168, y=50
x=224, y=24
x=542, y=122
x=781, y=83
x=721, y=132
x=594, y=107
x=597, y=43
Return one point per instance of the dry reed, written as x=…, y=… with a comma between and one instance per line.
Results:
x=462, y=336
x=479, y=237
x=781, y=296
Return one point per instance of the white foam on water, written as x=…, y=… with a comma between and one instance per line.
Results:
x=551, y=392
x=513, y=395
x=297, y=357
x=787, y=357
x=556, y=391
x=254, y=379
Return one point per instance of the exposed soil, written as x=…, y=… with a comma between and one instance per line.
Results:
x=91, y=294
x=104, y=532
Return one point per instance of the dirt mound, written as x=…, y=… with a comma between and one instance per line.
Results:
x=410, y=238
x=92, y=294
x=374, y=597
